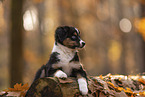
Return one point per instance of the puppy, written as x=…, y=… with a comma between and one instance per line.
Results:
x=64, y=60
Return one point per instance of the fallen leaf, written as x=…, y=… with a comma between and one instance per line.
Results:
x=111, y=85
x=142, y=93
x=101, y=76
x=19, y=87
x=118, y=89
x=25, y=86
x=63, y=81
x=141, y=81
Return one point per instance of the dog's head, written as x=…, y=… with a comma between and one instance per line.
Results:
x=69, y=37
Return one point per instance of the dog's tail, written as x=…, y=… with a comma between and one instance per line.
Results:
x=40, y=73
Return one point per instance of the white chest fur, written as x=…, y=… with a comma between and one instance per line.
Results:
x=65, y=55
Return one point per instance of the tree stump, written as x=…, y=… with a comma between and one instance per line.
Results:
x=53, y=87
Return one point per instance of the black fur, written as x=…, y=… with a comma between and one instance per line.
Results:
x=80, y=71
x=76, y=58
x=61, y=34
x=53, y=59
x=39, y=72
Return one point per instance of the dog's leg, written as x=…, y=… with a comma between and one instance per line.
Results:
x=83, y=87
x=60, y=74
x=40, y=73
x=82, y=81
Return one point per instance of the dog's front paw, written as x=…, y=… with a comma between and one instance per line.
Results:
x=83, y=89
x=83, y=86
x=60, y=74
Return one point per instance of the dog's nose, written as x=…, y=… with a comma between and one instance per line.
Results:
x=82, y=44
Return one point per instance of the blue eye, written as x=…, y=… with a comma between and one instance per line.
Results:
x=73, y=38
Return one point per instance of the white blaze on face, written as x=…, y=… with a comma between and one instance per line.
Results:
x=81, y=43
x=77, y=30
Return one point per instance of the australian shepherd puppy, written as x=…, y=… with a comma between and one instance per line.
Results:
x=64, y=60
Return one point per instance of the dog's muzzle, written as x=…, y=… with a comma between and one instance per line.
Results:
x=82, y=43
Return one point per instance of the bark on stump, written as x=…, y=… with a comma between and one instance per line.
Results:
x=53, y=87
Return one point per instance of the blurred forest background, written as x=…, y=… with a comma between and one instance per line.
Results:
x=114, y=32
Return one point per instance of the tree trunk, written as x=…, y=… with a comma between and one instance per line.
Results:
x=16, y=42
x=143, y=42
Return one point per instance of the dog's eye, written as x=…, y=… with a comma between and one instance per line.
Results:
x=73, y=38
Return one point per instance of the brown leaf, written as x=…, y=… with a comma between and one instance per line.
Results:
x=63, y=81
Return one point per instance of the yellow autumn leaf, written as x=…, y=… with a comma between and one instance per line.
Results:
x=142, y=93
x=111, y=84
x=141, y=81
x=128, y=90
x=119, y=88
x=101, y=76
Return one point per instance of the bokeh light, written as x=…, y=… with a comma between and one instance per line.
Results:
x=125, y=25
x=30, y=19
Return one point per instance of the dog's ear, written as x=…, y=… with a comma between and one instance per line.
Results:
x=61, y=34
